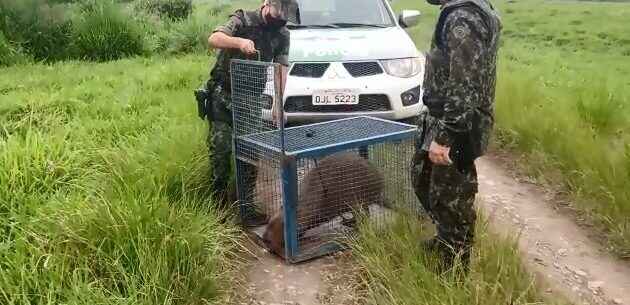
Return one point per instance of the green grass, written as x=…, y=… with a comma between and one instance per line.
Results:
x=103, y=187
x=394, y=270
x=103, y=180
x=563, y=100
x=52, y=31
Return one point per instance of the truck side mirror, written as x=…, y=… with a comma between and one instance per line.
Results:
x=409, y=18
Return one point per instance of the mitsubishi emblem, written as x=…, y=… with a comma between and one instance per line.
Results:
x=333, y=74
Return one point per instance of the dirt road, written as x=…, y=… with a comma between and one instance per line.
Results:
x=555, y=248
x=317, y=282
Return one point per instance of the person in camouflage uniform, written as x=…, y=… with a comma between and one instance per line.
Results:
x=256, y=34
x=459, y=93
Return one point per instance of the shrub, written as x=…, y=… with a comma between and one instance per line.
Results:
x=103, y=32
x=191, y=35
x=10, y=54
x=41, y=29
x=188, y=37
x=172, y=9
x=6, y=52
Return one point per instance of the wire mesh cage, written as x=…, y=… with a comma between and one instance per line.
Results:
x=302, y=188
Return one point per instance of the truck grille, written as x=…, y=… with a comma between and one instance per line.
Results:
x=367, y=102
x=314, y=70
x=359, y=69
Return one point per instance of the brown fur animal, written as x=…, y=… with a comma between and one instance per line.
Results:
x=267, y=191
x=339, y=183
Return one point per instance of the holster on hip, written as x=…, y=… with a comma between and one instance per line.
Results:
x=204, y=103
x=462, y=153
x=435, y=106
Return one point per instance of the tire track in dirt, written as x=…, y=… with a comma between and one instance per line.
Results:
x=322, y=281
x=555, y=247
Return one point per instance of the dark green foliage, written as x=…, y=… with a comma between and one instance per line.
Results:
x=172, y=9
x=104, y=32
x=6, y=52
x=41, y=29
x=54, y=30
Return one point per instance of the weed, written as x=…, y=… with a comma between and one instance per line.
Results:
x=172, y=9
x=599, y=106
x=41, y=29
x=9, y=55
x=395, y=270
x=103, y=189
x=104, y=33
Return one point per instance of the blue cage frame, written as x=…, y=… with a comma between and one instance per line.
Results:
x=290, y=178
x=280, y=146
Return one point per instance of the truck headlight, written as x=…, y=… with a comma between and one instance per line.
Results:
x=403, y=67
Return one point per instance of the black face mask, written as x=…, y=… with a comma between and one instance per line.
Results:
x=434, y=2
x=275, y=24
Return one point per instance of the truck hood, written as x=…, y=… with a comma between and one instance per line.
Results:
x=355, y=44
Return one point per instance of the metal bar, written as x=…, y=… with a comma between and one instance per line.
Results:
x=278, y=102
x=392, y=122
x=289, y=201
x=255, y=143
x=364, y=152
x=328, y=122
x=321, y=250
x=240, y=189
x=249, y=62
x=337, y=147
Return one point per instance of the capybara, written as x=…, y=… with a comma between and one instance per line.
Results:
x=267, y=194
x=339, y=183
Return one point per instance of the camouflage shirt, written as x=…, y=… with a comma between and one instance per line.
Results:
x=461, y=75
x=273, y=45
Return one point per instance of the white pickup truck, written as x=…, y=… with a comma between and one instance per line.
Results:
x=350, y=58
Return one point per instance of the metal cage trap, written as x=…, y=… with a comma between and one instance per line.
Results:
x=301, y=188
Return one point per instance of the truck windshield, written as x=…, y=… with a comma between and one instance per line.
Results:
x=340, y=14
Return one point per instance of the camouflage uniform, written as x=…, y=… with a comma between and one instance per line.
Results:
x=273, y=45
x=459, y=93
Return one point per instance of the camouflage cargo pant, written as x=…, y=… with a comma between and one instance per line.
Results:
x=221, y=154
x=220, y=143
x=448, y=195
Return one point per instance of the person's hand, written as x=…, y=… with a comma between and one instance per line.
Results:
x=439, y=154
x=247, y=46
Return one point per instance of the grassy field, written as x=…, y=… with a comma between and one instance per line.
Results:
x=393, y=270
x=103, y=184
x=563, y=100
x=103, y=179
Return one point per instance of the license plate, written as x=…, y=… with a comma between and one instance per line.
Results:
x=336, y=97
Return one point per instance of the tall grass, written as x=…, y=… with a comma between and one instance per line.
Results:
x=104, y=32
x=172, y=9
x=9, y=54
x=51, y=31
x=103, y=193
x=578, y=101
x=41, y=29
x=393, y=269
x=563, y=100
